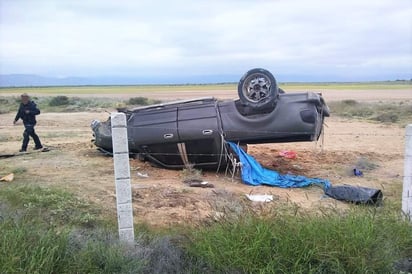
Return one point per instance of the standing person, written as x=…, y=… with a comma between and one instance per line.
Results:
x=27, y=112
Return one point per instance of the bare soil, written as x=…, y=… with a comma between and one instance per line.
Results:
x=163, y=199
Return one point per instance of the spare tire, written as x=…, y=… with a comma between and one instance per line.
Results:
x=258, y=88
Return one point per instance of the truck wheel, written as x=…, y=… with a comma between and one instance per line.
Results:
x=258, y=88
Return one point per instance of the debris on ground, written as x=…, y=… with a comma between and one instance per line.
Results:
x=260, y=197
x=142, y=175
x=7, y=178
x=198, y=183
x=252, y=173
x=357, y=172
x=289, y=154
x=404, y=265
x=355, y=194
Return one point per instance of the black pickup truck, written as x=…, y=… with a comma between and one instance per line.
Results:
x=194, y=132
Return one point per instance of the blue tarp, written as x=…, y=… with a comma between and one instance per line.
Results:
x=254, y=174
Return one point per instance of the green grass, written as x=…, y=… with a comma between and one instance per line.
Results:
x=42, y=230
x=360, y=241
x=19, y=170
x=48, y=230
x=28, y=246
x=54, y=206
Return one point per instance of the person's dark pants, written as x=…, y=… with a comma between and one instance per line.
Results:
x=29, y=132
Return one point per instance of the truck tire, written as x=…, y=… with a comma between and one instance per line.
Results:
x=258, y=88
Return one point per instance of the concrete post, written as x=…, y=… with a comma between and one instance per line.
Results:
x=122, y=177
x=407, y=177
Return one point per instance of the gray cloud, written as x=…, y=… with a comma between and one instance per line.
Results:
x=347, y=40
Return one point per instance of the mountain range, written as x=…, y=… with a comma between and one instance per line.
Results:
x=32, y=80
x=26, y=80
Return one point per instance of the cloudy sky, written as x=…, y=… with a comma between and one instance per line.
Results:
x=347, y=40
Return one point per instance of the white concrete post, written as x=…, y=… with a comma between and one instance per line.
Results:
x=407, y=177
x=122, y=177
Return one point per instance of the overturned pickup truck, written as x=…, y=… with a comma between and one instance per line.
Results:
x=176, y=134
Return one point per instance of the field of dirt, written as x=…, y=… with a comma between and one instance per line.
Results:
x=163, y=199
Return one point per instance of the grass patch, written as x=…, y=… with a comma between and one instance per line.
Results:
x=9, y=104
x=365, y=164
x=400, y=113
x=28, y=246
x=42, y=230
x=59, y=104
x=361, y=241
x=45, y=236
x=54, y=206
x=19, y=170
x=191, y=174
x=73, y=104
x=47, y=230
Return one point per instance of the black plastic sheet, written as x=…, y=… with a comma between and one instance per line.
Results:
x=355, y=194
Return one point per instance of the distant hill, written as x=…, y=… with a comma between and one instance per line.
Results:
x=31, y=80
x=22, y=80
x=28, y=80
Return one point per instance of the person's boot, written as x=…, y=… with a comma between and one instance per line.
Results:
x=37, y=148
x=22, y=150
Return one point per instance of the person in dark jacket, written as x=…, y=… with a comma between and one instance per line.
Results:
x=27, y=112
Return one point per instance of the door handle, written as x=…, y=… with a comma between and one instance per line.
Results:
x=168, y=136
x=207, y=132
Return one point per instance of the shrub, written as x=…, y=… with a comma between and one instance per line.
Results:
x=386, y=118
x=8, y=104
x=59, y=101
x=190, y=174
x=142, y=101
x=350, y=102
x=365, y=164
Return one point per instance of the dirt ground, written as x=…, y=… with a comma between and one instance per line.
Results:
x=163, y=199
